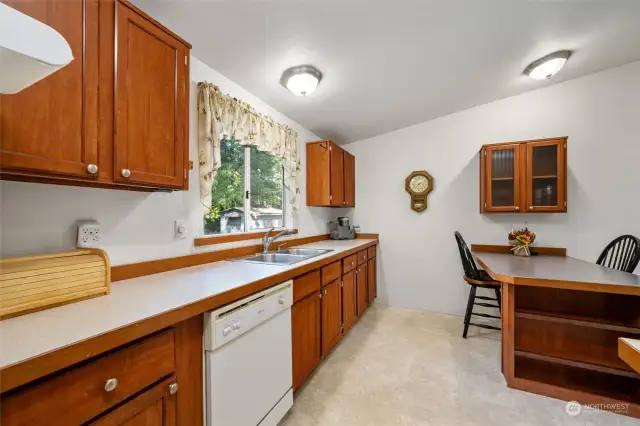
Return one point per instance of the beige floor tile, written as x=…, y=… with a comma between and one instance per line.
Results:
x=410, y=368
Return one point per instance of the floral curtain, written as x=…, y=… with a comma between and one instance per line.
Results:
x=220, y=114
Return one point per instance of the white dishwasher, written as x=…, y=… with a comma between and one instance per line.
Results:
x=248, y=360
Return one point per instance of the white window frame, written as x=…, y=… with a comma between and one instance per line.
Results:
x=247, y=194
x=247, y=199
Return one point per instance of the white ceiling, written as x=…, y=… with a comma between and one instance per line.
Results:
x=392, y=63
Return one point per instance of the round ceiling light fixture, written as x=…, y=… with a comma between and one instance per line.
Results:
x=301, y=80
x=546, y=67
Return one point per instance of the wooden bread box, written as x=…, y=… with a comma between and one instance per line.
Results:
x=35, y=283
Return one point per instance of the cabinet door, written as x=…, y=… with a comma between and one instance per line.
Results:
x=331, y=316
x=154, y=407
x=305, y=334
x=337, y=175
x=349, y=303
x=501, y=176
x=150, y=144
x=349, y=180
x=51, y=127
x=546, y=182
x=361, y=288
x=371, y=280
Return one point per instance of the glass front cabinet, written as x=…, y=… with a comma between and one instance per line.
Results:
x=524, y=177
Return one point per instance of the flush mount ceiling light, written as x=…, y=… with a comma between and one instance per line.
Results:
x=301, y=80
x=546, y=67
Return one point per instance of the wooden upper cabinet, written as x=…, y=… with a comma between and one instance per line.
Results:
x=546, y=176
x=337, y=175
x=349, y=179
x=330, y=175
x=502, y=178
x=51, y=127
x=116, y=116
x=150, y=143
x=524, y=177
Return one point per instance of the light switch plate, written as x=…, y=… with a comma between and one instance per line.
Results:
x=89, y=234
x=180, y=229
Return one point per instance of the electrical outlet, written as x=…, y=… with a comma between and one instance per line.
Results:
x=89, y=234
x=180, y=229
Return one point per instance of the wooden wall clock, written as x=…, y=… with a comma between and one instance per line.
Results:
x=419, y=184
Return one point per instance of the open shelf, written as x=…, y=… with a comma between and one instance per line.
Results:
x=502, y=178
x=579, y=364
x=580, y=320
x=576, y=378
x=545, y=177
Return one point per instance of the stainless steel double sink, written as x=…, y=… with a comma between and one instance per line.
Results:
x=284, y=256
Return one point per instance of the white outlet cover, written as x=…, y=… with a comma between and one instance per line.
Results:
x=89, y=234
x=180, y=229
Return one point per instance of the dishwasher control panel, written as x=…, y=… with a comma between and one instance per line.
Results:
x=227, y=323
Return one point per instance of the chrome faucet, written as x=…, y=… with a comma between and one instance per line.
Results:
x=266, y=241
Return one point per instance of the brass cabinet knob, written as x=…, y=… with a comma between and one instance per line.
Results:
x=92, y=168
x=110, y=385
x=517, y=208
x=126, y=173
x=173, y=388
x=530, y=207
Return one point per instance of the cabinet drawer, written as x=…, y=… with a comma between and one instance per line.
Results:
x=349, y=263
x=371, y=252
x=331, y=272
x=362, y=257
x=77, y=395
x=306, y=284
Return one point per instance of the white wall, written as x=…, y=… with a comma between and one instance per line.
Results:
x=38, y=218
x=419, y=263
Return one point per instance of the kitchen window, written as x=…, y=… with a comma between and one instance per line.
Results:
x=247, y=192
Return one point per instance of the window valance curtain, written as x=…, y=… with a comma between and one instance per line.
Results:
x=220, y=114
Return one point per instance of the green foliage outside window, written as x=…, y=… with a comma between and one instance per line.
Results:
x=228, y=189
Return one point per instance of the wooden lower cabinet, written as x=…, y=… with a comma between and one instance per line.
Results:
x=372, y=280
x=154, y=407
x=361, y=288
x=129, y=386
x=306, y=337
x=331, y=316
x=349, y=309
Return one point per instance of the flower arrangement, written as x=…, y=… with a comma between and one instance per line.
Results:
x=521, y=239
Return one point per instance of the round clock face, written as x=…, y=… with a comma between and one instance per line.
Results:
x=419, y=184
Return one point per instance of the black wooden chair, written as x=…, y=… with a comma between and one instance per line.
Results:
x=622, y=254
x=477, y=278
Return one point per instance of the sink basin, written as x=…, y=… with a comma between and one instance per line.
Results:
x=308, y=252
x=283, y=257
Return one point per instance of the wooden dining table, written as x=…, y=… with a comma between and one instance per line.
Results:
x=563, y=320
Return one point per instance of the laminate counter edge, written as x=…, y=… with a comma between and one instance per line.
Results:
x=28, y=370
x=629, y=352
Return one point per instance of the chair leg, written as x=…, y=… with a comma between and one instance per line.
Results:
x=499, y=297
x=467, y=315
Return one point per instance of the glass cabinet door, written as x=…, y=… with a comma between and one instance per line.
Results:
x=503, y=178
x=546, y=176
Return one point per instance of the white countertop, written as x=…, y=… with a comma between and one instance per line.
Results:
x=134, y=300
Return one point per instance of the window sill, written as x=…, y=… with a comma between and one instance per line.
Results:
x=228, y=238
